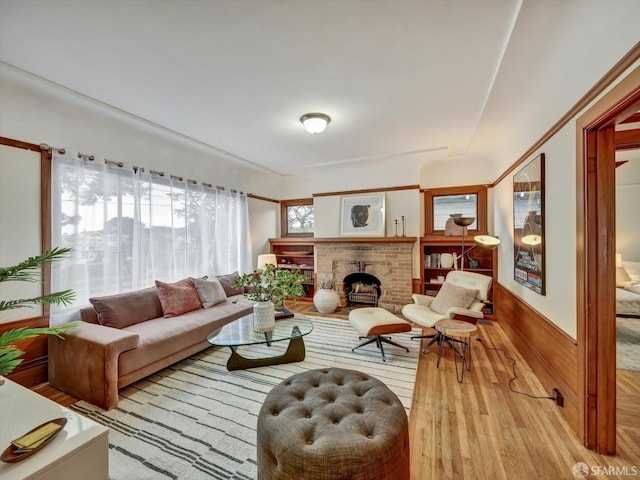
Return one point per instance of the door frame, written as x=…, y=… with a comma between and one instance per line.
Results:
x=596, y=328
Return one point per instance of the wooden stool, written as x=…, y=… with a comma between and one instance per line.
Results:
x=456, y=331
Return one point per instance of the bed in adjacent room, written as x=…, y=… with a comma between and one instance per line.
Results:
x=628, y=290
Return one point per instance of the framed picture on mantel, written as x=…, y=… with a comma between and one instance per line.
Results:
x=363, y=216
x=528, y=225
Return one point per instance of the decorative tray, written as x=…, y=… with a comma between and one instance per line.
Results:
x=13, y=453
x=298, y=252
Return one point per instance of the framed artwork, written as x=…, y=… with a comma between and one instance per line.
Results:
x=528, y=225
x=363, y=215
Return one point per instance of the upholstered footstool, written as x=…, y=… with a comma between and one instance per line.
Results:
x=373, y=322
x=332, y=424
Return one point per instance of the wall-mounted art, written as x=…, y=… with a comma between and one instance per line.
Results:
x=363, y=215
x=528, y=225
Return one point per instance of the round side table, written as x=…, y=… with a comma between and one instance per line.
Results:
x=457, y=334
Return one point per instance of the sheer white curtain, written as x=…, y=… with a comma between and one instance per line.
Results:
x=128, y=229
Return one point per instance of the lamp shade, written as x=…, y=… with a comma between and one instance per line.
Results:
x=488, y=242
x=463, y=221
x=532, y=240
x=266, y=259
x=618, y=260
x=315, y=122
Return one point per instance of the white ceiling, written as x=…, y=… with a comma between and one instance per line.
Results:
x=398, y=78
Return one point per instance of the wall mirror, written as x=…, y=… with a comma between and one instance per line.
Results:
x=528, y=225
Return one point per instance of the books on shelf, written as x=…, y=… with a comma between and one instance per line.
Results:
x=432, y=260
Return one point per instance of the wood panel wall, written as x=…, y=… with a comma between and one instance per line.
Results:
x=550, y=352
x=34, y=367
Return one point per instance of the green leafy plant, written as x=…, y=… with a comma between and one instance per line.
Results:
x=30, y=270
x=272, y=284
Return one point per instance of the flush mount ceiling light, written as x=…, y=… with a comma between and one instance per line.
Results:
x=315, y=122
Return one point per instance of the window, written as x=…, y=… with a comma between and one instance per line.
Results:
x=470, y=201
x=297, y=217
x=445, y=205
x=128, y=228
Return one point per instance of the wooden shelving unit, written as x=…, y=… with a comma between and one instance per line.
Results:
x=430, y=246
x=297, y=254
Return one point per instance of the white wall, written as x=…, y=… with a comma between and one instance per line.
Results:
x=559, y=304
x=627, y=222
x=37, y=111
x=627, y=202
x=264, y=219
x=328, y=216
x=19, y=224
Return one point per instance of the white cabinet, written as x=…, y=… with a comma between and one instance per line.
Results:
x=79, y=452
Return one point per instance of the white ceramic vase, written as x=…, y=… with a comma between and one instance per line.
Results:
x=446, y=260
x=264, y=316
x=326, y=300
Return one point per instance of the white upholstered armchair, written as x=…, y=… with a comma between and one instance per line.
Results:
x=463, y=294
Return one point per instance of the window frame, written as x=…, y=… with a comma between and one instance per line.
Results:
x=481, y=207
x=284, y=224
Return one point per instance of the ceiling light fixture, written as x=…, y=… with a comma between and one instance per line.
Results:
x=315, y=122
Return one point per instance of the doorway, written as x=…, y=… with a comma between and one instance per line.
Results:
x=596, y=262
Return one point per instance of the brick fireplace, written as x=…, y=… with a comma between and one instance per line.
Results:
x=387, y=259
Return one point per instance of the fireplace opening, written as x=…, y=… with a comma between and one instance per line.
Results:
x=363, y=288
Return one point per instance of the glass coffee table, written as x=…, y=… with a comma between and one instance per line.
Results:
x=240, y=333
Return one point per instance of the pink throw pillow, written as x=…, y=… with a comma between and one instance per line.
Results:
x=178, y=298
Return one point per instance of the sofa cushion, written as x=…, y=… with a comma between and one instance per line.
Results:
x=178, y=298
x=451, y=295
x=210, y=291
x=129, y=308
x=227, y=280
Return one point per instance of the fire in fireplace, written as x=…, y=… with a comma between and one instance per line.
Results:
x=360, y=287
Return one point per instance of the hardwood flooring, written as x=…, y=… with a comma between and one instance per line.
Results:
x=479, y=429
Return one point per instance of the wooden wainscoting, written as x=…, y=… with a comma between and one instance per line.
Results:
x=34, y=367
x=550, y=352
x=416, y=285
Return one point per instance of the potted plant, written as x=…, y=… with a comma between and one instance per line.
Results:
x=269, y=288
x=30, y=270
x=326, y=299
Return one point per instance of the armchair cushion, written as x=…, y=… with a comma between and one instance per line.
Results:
x=451, y=295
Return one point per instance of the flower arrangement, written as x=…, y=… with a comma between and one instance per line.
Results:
x=29, y=270
x=271, y=284
x=325, y=281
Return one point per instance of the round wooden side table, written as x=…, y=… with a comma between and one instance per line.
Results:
x=457, y=334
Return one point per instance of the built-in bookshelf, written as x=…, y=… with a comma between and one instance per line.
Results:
x=433, y=273
x=296, y=254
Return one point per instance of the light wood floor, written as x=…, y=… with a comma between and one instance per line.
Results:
x=479, y=429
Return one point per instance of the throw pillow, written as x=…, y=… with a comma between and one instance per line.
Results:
x=129, y=308
x=178, y=298
x=451, y=295
x=634, y=287
x=227, y=280
x=210, y=291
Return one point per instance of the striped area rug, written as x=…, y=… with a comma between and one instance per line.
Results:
x=196, y=420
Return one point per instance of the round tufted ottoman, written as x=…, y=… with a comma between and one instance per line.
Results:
x=332, y=424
